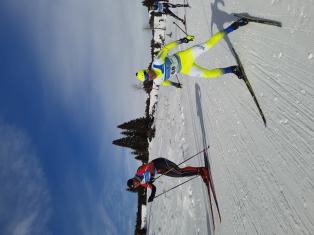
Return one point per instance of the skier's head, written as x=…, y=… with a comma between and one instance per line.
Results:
x=142, y=75
x=133, y=183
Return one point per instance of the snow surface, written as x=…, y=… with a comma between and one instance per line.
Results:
x=144, y=217
x=264, y=177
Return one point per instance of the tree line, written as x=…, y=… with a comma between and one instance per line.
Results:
x=137, y=133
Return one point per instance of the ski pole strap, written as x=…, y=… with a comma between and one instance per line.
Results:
x=205, y=149
x=176, y=186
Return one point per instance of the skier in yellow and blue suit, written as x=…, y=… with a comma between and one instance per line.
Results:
x=183, y=62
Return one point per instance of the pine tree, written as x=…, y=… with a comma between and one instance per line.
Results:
x=136, y=124
x=136, y=143
x=132, y=133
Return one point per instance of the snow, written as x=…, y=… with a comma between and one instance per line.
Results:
x=264, y=177
x=144, y=217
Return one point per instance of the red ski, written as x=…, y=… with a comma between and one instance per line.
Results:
x=211, y=189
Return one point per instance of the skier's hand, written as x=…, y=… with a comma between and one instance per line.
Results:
x=150, y=199
x=187, y=39
x=190, y=38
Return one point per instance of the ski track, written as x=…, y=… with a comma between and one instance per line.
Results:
x=263, y=176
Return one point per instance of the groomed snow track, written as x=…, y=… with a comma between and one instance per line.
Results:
x=264, y=177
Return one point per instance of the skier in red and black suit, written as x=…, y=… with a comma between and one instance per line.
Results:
x=145, y=174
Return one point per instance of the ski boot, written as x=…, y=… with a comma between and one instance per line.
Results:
x=241, y=22
x=236, y=70
x=236, y=25
x=204, y=174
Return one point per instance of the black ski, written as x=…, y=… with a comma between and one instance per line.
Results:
x=248, y=84
x=257, y=19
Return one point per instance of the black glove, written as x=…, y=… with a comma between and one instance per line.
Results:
x=150, y=199
x=152, y=195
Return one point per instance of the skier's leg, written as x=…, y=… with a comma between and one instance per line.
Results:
x=184, y=172
x=188, y=56
x=169, y=168
x=168, y=12
x=177, y=5
x=170, y=5
x=201, y=48
x=163, y=165
x=190, y=171
x=198, y=71
x=183, y=5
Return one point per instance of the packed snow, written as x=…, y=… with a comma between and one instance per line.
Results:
x=264, y=177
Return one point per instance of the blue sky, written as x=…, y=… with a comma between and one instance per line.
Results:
x=67, y=69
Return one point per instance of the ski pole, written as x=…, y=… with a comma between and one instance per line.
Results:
x=176, y=186
x=177, y=78
x=182, y=162
x=180, y=28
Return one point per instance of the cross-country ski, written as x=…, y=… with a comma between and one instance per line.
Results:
x=208, y=180
x=258, y=19
x=243, y=76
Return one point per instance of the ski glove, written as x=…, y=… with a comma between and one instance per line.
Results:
x=187, y=39
x=152, y=195
x=150, y=199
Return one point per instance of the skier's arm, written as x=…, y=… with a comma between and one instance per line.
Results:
x=152, y=194
x=164, y=51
